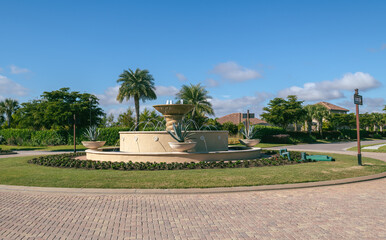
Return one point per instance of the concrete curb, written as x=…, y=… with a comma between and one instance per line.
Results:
x=97, y=191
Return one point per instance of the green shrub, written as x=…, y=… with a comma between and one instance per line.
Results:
x=69, y=161
x=377, y=136
x=230, y=127
x=301, y=137
x=266, y=133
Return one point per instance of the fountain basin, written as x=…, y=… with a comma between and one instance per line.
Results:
x=240, y=153
x=158, y=141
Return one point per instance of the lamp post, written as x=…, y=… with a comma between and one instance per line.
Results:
x=90, y=99
x=358, y=100
x=74, y=134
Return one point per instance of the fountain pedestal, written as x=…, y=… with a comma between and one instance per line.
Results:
x=173, y=113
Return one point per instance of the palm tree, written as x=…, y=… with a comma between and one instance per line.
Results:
x=138, y=85
x=9, y=107
x=198, y=96
x=309, y=116
x=320, y=113
x=378, y=120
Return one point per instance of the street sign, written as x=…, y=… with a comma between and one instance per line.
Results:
x=358, y=99
x=251, y=115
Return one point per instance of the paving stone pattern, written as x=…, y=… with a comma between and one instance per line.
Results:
x=350, y=211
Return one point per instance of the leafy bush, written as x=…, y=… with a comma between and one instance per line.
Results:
x=230, y=127
x=69, y=161
x=301, y=137
x=377, y=136
x=48, y=137
x=111, y=135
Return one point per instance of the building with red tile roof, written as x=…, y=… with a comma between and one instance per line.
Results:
x=333, y=108
x=237, y=118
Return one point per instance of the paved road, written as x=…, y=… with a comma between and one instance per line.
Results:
x=337, y=148
x=351, y=211
x=33, y=153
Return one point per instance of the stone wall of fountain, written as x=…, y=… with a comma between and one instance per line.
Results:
x=158, y=141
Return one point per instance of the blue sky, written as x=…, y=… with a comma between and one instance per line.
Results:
x=244, y=52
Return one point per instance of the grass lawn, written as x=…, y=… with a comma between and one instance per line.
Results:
x=381, y=149
x=16, y=171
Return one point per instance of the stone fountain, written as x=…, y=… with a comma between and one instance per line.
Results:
x=153, y=146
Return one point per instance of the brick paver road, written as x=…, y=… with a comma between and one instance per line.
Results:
x=351, y=211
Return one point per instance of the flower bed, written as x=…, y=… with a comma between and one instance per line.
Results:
x=70, y=161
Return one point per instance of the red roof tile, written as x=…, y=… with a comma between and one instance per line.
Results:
x=331, y=106
x=237, y=118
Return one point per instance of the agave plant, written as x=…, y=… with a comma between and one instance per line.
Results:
x=250, y=132
x=92, y=133
x=180, y=132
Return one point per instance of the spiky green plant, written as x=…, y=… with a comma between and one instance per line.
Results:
x=92, y=133
x=250, y=132
x=180, y=132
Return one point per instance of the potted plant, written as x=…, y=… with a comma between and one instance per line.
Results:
x=181, y=135
x=250, y=134
x=92, y=134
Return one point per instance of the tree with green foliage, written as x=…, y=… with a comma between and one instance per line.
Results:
x=336, y=121
x=366, y=121
x=138, y=85
x=320, y=113
x=108, y=121
x=9, y=107
x=281, y=112
x=309, y=116
x=378, y=120
x=126, y=119
x=55, y=110
x=198, y=96
x=151, y=119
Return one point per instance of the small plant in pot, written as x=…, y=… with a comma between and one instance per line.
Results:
x=92, y=134
x=181, y=134
x=250, y=135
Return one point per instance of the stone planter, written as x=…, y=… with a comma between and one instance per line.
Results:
x=93, y=145
x=249, y=142
x=182, y=146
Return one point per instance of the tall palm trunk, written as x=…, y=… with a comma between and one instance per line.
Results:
x=9, y=116
x=136, y=103
x=309, y=126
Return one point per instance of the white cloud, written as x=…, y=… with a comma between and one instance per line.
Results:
x=369, y=104
x=181, y=77
x=373, y=104
x=18, y=70
x=109, y=97
x=327, y=90
x=254, y=103
x=211, y=82
x=234, y=72
x=166, y=91
x=9, y=87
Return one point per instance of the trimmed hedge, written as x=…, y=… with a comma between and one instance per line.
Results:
x=267, y=134
x=69, y=161
x=28, y=137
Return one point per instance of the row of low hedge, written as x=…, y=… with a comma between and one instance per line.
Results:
x=69, y=161
x=267, y=134
x=28, y=137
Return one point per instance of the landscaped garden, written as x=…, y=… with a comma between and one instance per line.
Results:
x=17, y=171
